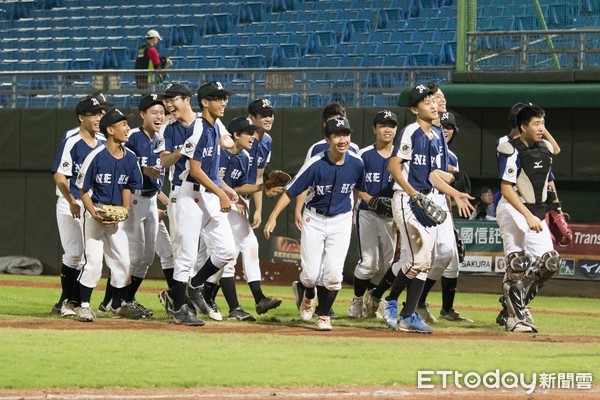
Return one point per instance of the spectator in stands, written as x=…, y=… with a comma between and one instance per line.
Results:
x=484, y=207
x=149, y=59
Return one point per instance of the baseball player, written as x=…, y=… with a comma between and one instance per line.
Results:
x=106, y=105
x=375, y=233
x=236, y=171
x=327, y=221
x=445, y=253
x=414, y=163
x=524, y=167
x=142, y=224
x=202, y=204
x=262, y=115
x=73, y=151
x=330, y=111
x=108, y=176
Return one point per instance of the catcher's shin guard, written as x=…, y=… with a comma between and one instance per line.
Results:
x=544, y=268
x=514, y=290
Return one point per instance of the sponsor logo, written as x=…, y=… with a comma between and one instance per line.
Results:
x=567, y=266
x=477, y=264
x=589, y=268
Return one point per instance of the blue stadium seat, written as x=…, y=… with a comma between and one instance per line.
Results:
x=289, y=62
x=345, y=48
x=254, y=61
x=291, y=50
x=372, y=61
x=271, y=52
x=422, y=60
x=309, y=62
x=380, y=36
x=329, y=62
x=352, y=61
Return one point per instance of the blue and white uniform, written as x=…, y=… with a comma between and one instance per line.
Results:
x=421, y=155
x=199, y=211
x=322, y=146
x=105, y=177
x=260, y=156
x=73, y=151
x=445, y=254
x=327, y=218
x=142, y=224
x=376, y=236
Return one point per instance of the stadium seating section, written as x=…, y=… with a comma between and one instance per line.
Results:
x=42, y=35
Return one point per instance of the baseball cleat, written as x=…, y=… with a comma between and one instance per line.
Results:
x=241, y=315
x=307, y=309
x=67, y=309
x=370, y=305
x=298, y=293
x=413, y=324
x=453, y=316
x=185, y=316
x=85, y=314
x=166, y=301
x=323, y=323
x=55, y=312
x=267, y=303
x=127, y=310
x=381, y=309
x=197, y=300
x=215, y=313
x=147, y=313
x=390, y=314
x=102, y=308
x=425, y=314
x=356, y=306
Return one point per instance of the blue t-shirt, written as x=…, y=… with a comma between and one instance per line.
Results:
x=172, y=137
x=378, y=181
x=203, y=146
x=331, y=185
x=106, y=176
x=72, y=153
x=144, y=149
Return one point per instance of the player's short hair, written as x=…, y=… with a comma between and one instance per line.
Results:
x=332, y=109
x=527, y=113
x=433, y=87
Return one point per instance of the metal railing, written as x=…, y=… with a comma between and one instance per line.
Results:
x=540, y=50
x=294, y=87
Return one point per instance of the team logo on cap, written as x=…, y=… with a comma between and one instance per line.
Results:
x=445, y=115
x=266, y=103
x=169, y=86
x=154, y=96
x=118, y=111
x=387, y=114
x=421, y=88
x=219, y=86
x=95, y=101
x=340, y=122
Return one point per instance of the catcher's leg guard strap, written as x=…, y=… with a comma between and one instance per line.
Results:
x=545, y=268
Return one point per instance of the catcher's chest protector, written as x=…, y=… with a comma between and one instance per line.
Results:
x=536, y=163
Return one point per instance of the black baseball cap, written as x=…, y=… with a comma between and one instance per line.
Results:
x=385, y=116
x=241, y=124
x=448, y=119
x=89, y=105
x=102, y=99
x=212, y=90
x=149, y=100
x=260, y=106
x=512, y=114
x=337, y=124
x=177, y=89
x=111, y=117
x=417, y=94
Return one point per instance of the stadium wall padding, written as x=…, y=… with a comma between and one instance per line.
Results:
x=31, y=138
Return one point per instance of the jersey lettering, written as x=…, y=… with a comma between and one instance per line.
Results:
x=123, y=179
x=347, y=187
x=373, y=177
x=207, y=152
x=420, y=159
x=104, y=178
x=322, y=189
x=235, y=174
x=143, y=161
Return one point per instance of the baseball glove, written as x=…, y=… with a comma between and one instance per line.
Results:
x=559, y=229
x=426, y=211
x=112, y=213
x=382, y=206
x=275, y=183
x=460, y=247
x=462, y=183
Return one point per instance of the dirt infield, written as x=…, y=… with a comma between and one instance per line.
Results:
x=264, y=393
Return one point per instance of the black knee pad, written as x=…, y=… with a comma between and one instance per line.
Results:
x=549, y=264
x=517, y=265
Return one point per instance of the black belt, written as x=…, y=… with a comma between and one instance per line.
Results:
x=173, y=187
x=146, y=193
x=323, y=213
x=426, y=191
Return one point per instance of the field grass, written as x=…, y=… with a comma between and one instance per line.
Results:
x=148, y=358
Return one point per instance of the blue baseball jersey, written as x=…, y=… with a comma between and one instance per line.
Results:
x=203, y=146
x=144, y=149
x=378, y=181
x=441, y=146
x=235, y=168
x=106, y=176
x=71, y=155
x=331, y=185
x=421, y=155
x=172, y=137
x=453, y=159
x=260, y=155
x=322, y=146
